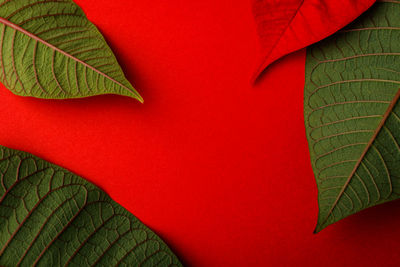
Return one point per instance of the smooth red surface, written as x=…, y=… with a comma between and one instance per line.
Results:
x=217, y=167
x=285, y=26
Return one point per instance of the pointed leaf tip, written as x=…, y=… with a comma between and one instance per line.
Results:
x=352, y=114
x=62, y=55
x=288, y=25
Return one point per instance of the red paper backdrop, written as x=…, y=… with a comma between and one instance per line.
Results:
x=217, y=167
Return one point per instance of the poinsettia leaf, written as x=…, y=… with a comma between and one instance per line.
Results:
x=286, y=26
x=352, y=114
x=51, y=217
x=49, y=49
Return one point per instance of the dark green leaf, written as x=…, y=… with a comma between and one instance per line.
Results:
x=353, y=116
x=49, y=49
x=51, y=217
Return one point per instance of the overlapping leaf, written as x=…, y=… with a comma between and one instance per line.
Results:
x=51, y=217
x=49, y=49
x=285, y=26
x=353, y=116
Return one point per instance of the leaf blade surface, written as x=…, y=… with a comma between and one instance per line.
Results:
x=289, y=25
x=49, y=49
x=352, y=114
x=51, y=217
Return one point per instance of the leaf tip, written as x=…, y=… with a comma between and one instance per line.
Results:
x=317, y=230
x=320, y=226
x=139, y=98
x=261, y=69
x=134, y=94
x=257, y=74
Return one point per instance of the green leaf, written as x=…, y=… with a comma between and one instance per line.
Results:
x=352, y=114
x=49, y=49
x=51, y=217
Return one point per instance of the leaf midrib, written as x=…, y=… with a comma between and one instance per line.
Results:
x=38, y=39
x=371, y=141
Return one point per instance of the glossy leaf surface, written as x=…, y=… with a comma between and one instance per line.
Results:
x=51, y=217
x=353, y=116
x=49, y=49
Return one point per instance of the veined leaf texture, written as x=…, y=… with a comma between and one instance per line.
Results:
x=285, y=26
x=352, y=114
x=49, y=49
x=51, y=217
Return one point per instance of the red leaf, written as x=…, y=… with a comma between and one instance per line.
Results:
x=285, y=26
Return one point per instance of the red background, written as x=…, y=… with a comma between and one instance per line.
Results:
x=219, y=168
